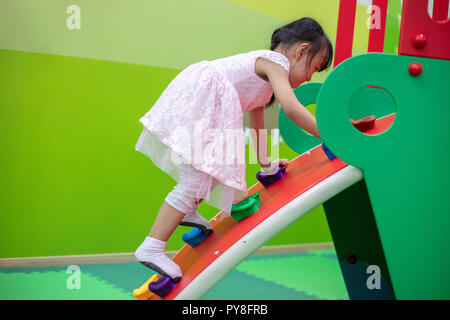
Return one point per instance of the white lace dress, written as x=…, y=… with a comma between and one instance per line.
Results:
x=199, y=119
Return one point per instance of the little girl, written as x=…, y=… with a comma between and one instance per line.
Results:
x=183, y=131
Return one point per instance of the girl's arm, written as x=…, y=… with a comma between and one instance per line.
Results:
x=257, y=122
x=294, y=110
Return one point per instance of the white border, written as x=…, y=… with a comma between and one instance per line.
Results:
x=279, y=220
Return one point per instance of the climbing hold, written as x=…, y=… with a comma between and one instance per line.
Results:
x=327, y=151
x=162, y=286
x=352, y=259
x=364, y=124
x=269, y=179
x=194, y=237
x=246, y=207
x=419, y=40
x=143, y=293
x=415, y=69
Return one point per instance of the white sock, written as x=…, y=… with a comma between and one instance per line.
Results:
x=151, y=254
x=194, y=219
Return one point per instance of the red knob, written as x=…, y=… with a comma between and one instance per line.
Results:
x=419, y=41
x=352, y=259
x=415, y=69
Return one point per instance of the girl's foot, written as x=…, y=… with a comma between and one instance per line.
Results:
x=194, y=219
x=151, y=254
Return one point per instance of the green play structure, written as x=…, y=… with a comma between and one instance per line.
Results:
x=405, y=168
x=396, y=221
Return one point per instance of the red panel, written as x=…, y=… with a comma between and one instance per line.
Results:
x=302, y=173
x=376, y=36
x=345, y=30
x=416, y=21
x=440, y=10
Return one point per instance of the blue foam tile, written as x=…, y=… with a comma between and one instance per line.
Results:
x=238, y=285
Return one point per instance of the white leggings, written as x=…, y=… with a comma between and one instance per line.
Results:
x=193, y=185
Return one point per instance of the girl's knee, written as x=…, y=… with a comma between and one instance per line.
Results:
x=182, y=201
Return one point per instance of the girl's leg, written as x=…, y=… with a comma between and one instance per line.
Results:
x=178, y=202
x=194, y=219
x=166, y=222
x=151, y=252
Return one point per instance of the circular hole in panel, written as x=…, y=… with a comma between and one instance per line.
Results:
x=369, y=103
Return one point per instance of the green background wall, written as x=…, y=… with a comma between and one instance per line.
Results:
x=71, y=180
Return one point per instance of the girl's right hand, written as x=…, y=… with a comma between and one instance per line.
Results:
x=275, y=165
x=283, y=163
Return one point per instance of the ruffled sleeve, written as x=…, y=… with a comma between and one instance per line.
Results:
x=276, y=57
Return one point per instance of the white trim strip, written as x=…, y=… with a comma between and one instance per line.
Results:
x=52, y=261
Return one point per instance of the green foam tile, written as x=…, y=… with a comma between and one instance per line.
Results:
x=324, y=253
x=315, y=275
x=239, y=285
x=127, y=276
x=53, y=286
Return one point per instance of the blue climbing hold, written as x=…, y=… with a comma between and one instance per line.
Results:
x=194, y=237
x=327, y=151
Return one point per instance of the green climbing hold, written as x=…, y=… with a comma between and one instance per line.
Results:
x=246, y=207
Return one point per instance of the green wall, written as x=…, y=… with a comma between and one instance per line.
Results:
x=70, y=100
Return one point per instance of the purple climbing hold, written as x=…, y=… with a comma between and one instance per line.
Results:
x=162, y=286
x=269, y=179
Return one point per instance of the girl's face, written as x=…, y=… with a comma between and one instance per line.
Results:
x=300, y=71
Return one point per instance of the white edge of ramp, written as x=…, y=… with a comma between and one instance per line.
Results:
x=267, y=229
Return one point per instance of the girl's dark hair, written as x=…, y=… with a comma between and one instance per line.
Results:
x=304, y=30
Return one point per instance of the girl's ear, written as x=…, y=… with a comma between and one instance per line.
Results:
x=301, y=50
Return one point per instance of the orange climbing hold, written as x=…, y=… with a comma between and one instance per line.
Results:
x=143, y=293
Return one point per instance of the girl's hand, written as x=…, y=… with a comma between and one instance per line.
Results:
x=275, y=165
x=283, y=163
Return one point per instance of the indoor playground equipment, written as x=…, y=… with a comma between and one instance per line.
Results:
x=383, y=178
